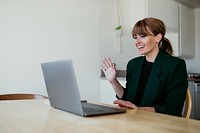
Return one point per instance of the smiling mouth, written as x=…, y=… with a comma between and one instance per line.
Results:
x=140, y=47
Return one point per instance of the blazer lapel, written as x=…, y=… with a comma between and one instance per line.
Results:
x=153, y=82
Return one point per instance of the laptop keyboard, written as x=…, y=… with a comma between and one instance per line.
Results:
x=90, y=110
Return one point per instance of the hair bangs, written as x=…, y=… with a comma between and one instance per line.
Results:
x=140, y=28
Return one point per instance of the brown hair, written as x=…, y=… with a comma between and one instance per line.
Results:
x=153, y=26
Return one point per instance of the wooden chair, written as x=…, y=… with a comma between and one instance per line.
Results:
x=21, y=96
x=188, y=105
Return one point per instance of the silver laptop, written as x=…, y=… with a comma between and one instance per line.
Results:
x=63, y=90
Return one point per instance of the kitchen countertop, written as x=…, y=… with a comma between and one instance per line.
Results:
x=193, y=80
x=121, y=74
x=195, y=77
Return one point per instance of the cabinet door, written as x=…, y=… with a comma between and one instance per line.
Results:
x=166, y=10
x=186, y=39
x=107, y=93
x=171, y=15
x=155, y=8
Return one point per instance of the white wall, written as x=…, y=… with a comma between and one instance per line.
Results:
x=194, y=64
x=131, y=11
x=35, y=31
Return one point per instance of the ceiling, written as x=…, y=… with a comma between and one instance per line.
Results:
x=191, y=3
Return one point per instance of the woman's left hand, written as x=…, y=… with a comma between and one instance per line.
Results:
x=125, y=104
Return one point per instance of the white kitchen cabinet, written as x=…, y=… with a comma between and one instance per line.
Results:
x=166, y=10
x=187, y=32
x=171, y=14
x=107, y=94
x=183, y=41
x=155, y=8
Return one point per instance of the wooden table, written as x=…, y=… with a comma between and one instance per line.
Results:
x=36, y=116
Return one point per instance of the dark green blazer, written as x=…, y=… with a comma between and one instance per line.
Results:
x=167, y=85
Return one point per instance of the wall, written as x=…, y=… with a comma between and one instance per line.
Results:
x=35, y=31
x=194, y=64
x=131, y=11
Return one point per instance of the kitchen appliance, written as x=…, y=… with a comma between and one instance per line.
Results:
x=195, y=93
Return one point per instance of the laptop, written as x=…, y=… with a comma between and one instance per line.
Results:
x=63, y=93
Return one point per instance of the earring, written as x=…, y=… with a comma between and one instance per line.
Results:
x=160, y=44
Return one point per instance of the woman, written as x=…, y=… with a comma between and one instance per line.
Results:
x=155, y=81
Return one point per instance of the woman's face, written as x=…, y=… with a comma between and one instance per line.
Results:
x=146, y=44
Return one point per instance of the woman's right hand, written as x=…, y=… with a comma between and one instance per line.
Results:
x=125, y=104
x=109, y=69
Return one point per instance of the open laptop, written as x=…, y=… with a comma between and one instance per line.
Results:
x=63, y=90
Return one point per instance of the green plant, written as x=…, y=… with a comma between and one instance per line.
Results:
x=118, y=27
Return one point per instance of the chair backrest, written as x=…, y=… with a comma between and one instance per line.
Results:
x=188, y=105
x=21, y=96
